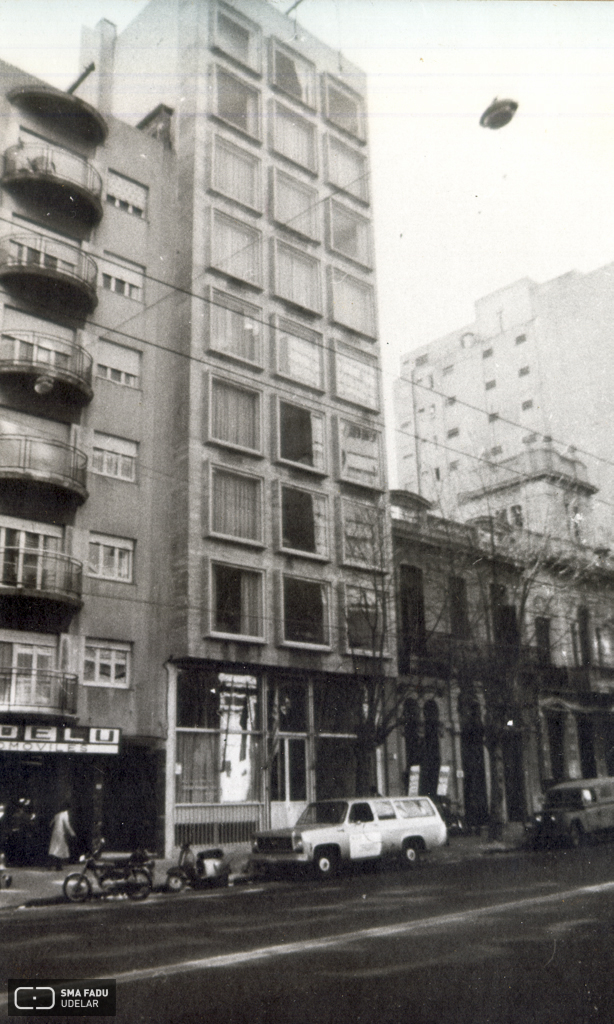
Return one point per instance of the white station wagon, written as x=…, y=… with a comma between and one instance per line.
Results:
x=332, y=832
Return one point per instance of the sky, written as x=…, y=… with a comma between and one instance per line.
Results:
x=459, y=210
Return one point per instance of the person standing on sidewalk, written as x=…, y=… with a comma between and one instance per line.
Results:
x=61, y=831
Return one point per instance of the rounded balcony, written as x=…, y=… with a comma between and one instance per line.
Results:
x=66, y=113
x=49, y=273
x=54, y=179
x=43, y=463
x=34, y=691
x=32, y=573
x=49, y=362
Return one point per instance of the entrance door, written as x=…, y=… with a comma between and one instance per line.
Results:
x=288, y=781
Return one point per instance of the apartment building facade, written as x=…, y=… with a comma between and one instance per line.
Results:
x=279, y=485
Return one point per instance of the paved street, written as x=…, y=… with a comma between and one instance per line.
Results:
x=513, y=938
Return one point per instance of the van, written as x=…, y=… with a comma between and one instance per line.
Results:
x=575, y=810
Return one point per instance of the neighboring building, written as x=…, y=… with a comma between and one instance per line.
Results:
x=87, y=407
x=532, y=371
x=506, y=650
x=277, y=435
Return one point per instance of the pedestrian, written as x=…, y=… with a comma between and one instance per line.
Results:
x=61, y=831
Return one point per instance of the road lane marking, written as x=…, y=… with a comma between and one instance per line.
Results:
x=242, y=958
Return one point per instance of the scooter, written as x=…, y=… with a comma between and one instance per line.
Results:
x=204, y=870
x=117, y=874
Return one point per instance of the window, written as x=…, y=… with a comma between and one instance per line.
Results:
x=301, y=436
x=295, y=205
x=520, y=339
x=490, y=384
x=422, y=360
x=127, y=195
x=294, y=137
x=237, y=37
x=236, y=249
x=297, y=277
x=28, y=675
x=236, y=505
x=349, y=233
x=486, y=354
x=237, y=103
x=451, y=400
x=111, y=558
x=453, y=467
x=300, y=355
x=527, y=405
x=119, y=364
x=524, y=371
x=123, y=278
x=459, y=612
x=236, y=173
x=412, y=625
x=106, y=663
x=305, y=610
x=356, y=378
x=235, y=416
x=360, y=449
x=27, y=558
x=454, y=432
x=516, y=515
x=542, y=641
x=345, y=109
x=347, y=169
x=365, y=620
x=235, y=329
x=114, y=456
x=363, y=535
x=353, y=303
x=492, y=416
x=497, y=450
x=303, y=521
x=237, y=601
x=292, y=74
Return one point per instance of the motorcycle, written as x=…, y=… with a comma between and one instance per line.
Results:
x=205, y=869
x=130, y=874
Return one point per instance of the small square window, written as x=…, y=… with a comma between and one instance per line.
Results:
x=451, y=400
x=422, y=360
x=520, y=339
x=490, y=384
x=487, y=353
x=527, y=405
x=453, y=467
x=497, y=450
x=524, y=371
x=107, y=663
x=111, y=558
x=114, y=456
x=492, y=416
x=454, y=432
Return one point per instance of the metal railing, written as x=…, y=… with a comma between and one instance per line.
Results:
x=40, y=690
x=40, y=160
x=47, y=572
x=32, y=251
x=214, y=824
x=45, y=353
x=44, y=459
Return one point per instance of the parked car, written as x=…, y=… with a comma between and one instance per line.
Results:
x=573, y=811
x=330, y=833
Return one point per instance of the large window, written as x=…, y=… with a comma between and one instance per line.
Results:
x=364, y=538
x=235, y=328
x=24, y=557
x=347, y=169
x=237, y=37
x=349, y=233
x=237, y=601
x=111, y=558
x=301, y=436
x=356, y=378
x=360, y=449
x=300, y=355
x=297, y=277
x=292, y=74
x=236, y=173
x=235, y=416
x=294, y=137
x=295, y=205
x=127, y=195
x=353, y=303
x=106, y=663
x=237, y=103
x=345, y=109
x=365, y=614
x=118, y=363
x=305, y=609
x=236, y=505
x=236, y=249
x=303, y=521
x=114, y=456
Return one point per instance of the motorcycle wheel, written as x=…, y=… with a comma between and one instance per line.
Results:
x=77, y=888
x=138, y=886
x=175, y=881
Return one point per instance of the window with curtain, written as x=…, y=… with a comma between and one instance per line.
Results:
x=294, y=137
x=236, y=173
x=236, y=505
x=297, y=277
x=236, y=249
x=295, y=205
x=353, y=303
x=360, y=450
x=237, y=103
x=347, y=169
x=299, y=357
x=291, y=73
x=349, y=233
x=301, y=436
x=235, y=329
x=363, y=535
x=235, y=416
x=345, y=109
x=365, y=619
x=304, y=521
x=356, y=378
x=237, y=601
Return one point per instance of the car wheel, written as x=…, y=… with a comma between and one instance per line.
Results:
x=576, y=835
x=175, y=881
x=410, y=853
x=77, y=888
x=326, y=862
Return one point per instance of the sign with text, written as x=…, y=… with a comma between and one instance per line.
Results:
x=49, y=739
x=33, y=997
x=444, y=780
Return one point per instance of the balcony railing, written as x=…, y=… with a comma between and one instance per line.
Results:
x=64, y=112
x=49, y=574
x=47, y=356
x=34, y=690
x=53, y=174
x=58, y=274
x=48, y=462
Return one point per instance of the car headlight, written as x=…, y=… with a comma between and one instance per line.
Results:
x=538, y=819
x=297, y=844
x=254, y=846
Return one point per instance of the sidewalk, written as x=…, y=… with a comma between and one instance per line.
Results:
x=39, y=887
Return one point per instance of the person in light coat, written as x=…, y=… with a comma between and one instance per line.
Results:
x=61, y=830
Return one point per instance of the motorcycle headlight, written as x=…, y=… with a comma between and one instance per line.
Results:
x=82, y=858
x=538, y=819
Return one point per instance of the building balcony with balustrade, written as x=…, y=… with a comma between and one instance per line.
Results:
x=49, y=273
x=66, y=114
x=37, y=691
x=49, y=363
x=43, y=464
x=54, y=179
x=40, y=590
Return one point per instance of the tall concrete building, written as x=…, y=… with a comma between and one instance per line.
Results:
x=513, y=412
x=193, y=220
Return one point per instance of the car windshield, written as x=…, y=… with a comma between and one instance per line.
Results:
x=330, y=813
x=570, y=798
